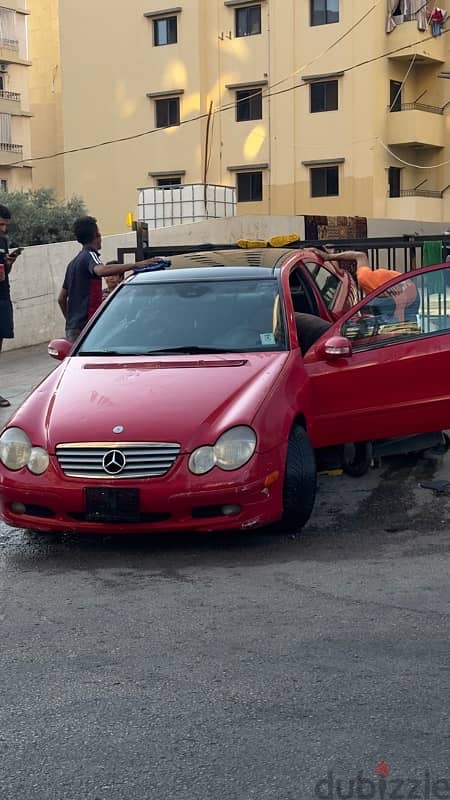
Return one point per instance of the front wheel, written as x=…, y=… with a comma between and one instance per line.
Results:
x=300, y=480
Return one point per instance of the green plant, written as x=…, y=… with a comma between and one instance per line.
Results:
x=39, y=218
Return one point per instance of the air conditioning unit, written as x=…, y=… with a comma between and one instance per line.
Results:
x=3, y=67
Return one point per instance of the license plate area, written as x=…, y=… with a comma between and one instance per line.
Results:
x=107, y=504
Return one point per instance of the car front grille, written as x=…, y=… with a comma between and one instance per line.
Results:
x=117, y=460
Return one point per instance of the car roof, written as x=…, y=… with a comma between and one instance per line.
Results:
x=216, y=264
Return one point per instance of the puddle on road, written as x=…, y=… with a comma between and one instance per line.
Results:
x=355, y=518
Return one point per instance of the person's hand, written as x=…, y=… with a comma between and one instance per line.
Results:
x=316, y=251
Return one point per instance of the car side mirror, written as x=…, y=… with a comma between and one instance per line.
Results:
x=59, y=349
x=335, y=348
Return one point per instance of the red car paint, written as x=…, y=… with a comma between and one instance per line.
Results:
x=399, y=389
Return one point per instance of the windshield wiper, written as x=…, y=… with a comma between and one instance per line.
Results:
x=189, y=350
x=100, y=353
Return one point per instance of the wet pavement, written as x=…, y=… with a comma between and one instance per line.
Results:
x=244, y=666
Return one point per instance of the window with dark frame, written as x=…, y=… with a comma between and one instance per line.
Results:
x=167, y=112
x=395, y=181
x=395, y=95
x=165, y=31
x=248, y=20
x=324, y=96
x=3, y=185
x=325, y=181
x=248, y=104
x=249, y=187
x=164, y=183
x=324, y=12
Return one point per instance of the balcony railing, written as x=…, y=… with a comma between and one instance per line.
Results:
x=11, y=148
x=421, y=193
x=4, y=95
x=9, y=44
x=417, y=107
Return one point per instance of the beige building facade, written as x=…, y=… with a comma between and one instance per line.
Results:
x=45, y=95
x=306, y=106
x=15, y=141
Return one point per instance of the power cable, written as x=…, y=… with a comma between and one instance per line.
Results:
x=219, y=110
x=407, y=163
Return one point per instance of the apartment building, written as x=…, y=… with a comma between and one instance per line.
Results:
x=15, y=144
x=322, y=107
x=45, y=94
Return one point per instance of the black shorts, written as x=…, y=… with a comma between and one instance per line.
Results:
x=6, y=320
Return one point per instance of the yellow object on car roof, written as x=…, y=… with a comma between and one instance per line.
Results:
x=283, y=241
x=250, y=244
x=275, y=241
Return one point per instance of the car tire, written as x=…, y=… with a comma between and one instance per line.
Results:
x=357, y=459
x=300, y=481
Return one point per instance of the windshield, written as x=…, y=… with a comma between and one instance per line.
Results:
x=189, y=317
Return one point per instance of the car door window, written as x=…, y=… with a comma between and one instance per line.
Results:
x=415, y=307
x=303, y=300
x=326, y=282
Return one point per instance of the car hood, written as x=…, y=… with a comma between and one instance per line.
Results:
x=187, y=400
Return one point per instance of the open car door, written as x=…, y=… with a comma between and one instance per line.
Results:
x=383, y=370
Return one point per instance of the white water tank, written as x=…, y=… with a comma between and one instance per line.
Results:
x=178, y=205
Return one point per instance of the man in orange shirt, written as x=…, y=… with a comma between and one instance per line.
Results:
x=400, y=302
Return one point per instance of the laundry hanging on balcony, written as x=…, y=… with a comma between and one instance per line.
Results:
x=437, y=19
x=406, y=11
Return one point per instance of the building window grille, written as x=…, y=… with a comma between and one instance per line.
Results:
x=167, y=112
x=249, y=187
x=165, y=31
x=325, y=181
x=248, y=20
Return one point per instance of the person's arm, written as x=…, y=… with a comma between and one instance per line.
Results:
x=104, y=270
x=361, y=259
x=62, y=301
x=10, y=259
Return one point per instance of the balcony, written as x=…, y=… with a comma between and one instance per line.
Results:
x=16, y=5
x=10, y=103
x=416, y=125
x=10, y=153
x=10, y=52
x=433, y=193
x=407, y=41
x=423, y=208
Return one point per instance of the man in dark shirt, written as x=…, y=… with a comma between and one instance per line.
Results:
x=81, y=293
x=6, y=309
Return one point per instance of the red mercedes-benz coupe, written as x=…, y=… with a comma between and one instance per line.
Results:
x=196, y=397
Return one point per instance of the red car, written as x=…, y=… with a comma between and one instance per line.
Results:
x=187, y=404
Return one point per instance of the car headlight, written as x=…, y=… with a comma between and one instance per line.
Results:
x=231, y=451
x=16, y=451
x=38, y=461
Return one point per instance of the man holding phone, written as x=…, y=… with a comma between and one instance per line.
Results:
x=7, y=260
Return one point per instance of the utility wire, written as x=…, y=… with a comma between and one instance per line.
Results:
x=221, y=109
x=407, y=163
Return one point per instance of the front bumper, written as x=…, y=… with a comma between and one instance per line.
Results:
x=179, y=501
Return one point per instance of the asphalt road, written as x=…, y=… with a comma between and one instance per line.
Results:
x=237, y=667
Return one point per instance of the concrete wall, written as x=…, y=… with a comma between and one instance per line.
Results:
x=36, y=280
x=227, y=231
